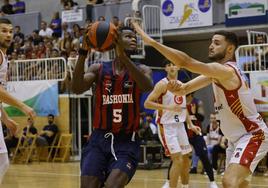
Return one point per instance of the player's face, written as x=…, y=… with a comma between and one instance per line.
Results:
x=171, y=69
x=6, y=35
x=217, y=48
x=129, y=40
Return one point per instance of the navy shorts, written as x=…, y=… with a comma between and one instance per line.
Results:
x=98, y=160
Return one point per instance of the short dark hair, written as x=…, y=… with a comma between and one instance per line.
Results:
x=231, y=37
x=50, y=115
x=5, y=21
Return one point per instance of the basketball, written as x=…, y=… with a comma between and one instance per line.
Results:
x=101, y=36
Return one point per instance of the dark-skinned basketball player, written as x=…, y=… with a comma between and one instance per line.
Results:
x=111, y=155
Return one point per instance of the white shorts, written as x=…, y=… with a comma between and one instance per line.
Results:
x=174, y=138
x=3, y=148
x=248, y=150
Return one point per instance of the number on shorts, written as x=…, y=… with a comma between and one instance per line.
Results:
x=117, y=115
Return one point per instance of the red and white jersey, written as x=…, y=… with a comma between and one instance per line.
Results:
x=168, y=98
x=236, y=109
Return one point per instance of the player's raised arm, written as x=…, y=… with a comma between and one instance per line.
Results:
x=83, y=81
x=181, y=59
x=181, y=89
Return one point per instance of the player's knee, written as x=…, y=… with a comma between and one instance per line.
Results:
x=229, y=181
x=90, y=182
x=115, y=184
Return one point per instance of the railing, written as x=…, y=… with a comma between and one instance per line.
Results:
x=151, y=22
x=37, y=69
x=252, y=58
x=257, y=37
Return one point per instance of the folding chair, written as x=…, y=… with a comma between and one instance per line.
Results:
x=62, y=148
x=50, y=148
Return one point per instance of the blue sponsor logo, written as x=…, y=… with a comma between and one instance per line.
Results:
x=204, y=5
x=167, y=8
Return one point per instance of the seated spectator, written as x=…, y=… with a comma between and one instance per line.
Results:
x=213, y=134
x=10, y=139
x=69, y=4
x=30, y=129
x=36, y=38
x=217, y=149
x=48, y=133
x=7, y=8
x=148, y=131
x=45, y=31
x=19, y=7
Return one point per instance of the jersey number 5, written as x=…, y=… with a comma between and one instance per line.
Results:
x=117, y=115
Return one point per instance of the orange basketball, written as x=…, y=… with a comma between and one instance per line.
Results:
x=101, y=36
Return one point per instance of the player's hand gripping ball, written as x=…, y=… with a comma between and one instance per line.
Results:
x=101, y=36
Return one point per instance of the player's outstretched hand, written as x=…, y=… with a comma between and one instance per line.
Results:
x=175, y=87
x=29, y=111
x=196, y=129
x=146, y=38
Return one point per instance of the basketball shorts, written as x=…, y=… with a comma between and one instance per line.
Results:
x=103, y=153
x=174, y=138
x=249, y=150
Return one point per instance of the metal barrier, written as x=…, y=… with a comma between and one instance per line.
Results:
x=151, y=22
x=257, y=37
x=37, y=69
x=252, y=58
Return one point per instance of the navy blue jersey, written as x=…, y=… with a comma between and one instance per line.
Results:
x=117, y=101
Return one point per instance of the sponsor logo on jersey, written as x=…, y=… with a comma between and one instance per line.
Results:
x=178, y=99
x=117, y=99
x=128, y=84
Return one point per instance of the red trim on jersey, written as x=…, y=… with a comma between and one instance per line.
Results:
x=160, y=112
x=130, y=119
x=252, y=148
x=164, y=142
x=96, y=122
x=235, y=105
x=118, y=90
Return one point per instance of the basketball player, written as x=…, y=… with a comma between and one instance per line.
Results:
x=112, y=152
x=172, y=112
x=240, y=122
x=6, y=35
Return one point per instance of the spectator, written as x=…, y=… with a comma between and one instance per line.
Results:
x=69, y=4
x=30, y=129
x=116, y=21
x=45, y=31
x=213, y=134
x=18, y=35
x=65, y=28
x=48, y=133
x=10, y=139
x=66, y=43
x=101, y=18
x=56, y=24
x=89, y=9
x=36, y=39
x=19, y=7
x=7, y=8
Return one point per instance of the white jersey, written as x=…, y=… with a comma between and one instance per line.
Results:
x=236, y=109
x=166, y=116
x=213, y=135
x=3, y=82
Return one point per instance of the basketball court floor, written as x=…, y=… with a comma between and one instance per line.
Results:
x=66, y=175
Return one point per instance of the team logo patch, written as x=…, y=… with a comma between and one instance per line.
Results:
x=128, y=84
x=107, y=85
x=129, y=166
x=178, y=99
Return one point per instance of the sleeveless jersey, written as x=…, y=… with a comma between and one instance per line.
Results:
x=168, y=98
x=213, y=135
x=117, y=101
x=236, y=109
x=3, y=81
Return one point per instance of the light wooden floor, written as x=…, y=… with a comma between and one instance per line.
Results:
x=66, y=175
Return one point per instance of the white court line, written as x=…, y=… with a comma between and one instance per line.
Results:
x=137, y=178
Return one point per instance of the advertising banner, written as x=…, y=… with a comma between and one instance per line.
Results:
x=176, y=14
x=42, y=96
x=72, y=15
x=245, y=12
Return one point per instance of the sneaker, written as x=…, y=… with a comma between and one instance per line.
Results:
x=265, y=174
x=213, y=185
x=166, y=185
x=193, y=170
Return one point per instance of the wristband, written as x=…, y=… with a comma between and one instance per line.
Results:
x=82, y=51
